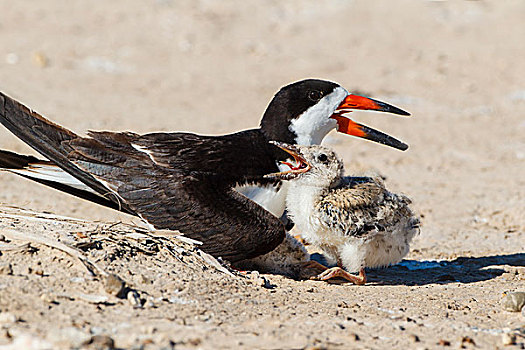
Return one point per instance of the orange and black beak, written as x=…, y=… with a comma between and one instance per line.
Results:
x=349, y=127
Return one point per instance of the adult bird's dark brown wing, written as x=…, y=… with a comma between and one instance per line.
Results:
x=201, y=204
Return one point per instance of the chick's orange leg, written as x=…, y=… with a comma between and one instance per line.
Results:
x=335, y=272
x=310, y=269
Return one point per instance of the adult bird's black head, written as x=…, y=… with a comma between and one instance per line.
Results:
x=306, y=111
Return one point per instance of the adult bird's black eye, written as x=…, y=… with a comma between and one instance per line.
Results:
x=322, y=157
x=315, y=95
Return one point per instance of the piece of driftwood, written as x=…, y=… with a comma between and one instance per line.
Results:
x=21, y=213
x=92, y=267
x=12, y=248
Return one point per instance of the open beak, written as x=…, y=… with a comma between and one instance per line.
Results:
x=347, y=126
x=300, y=166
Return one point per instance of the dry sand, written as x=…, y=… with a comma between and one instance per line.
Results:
x=211, y=67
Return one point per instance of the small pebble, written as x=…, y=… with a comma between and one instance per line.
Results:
x=4, y=334
x=444, y=342
x=513, y=301
x=508, y=339
x=11, y=58
x=48, y=297
x=7, y=317
x=134, y=299
x=114, y=285
x=178, y=300
x=467, y=340
x=81, y=235
x=194, y=341
x=145, y=279
x=96, y=330
x=150, y=303
x=258, y=280
x=6, y=268
x=2, y=238
x=94, y=299
x=40, y=59
x=77, y=279
x=100, y=342
x=354, y=337
x=414, y=338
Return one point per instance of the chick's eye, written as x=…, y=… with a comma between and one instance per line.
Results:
x=315, y=95
x=322, y=157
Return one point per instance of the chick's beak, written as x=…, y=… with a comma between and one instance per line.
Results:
x=347, y=126
x=300, y=166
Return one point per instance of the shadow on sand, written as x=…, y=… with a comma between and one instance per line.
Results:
x=462, y=270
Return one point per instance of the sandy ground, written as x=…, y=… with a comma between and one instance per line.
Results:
x=211, y=67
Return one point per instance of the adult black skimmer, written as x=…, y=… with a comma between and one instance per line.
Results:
x=355, y=220
x=184, y=181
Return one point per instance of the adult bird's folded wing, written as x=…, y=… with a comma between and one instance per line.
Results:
x=199, y=205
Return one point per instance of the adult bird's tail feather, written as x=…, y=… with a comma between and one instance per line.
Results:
x=50, y=140
x=49, y=174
